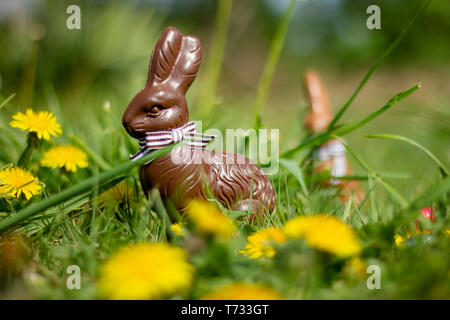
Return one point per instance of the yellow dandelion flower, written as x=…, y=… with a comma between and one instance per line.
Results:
x=69, y=157
x=447, y=231
x=243, y=291
x=208, y=219
x=17, y=181
x=116, y=195
x=296, y=228
x=42, y=122
x=326, y=233
x=259, y=246
x=145, y=271
x=177, y=228
x=399, y=240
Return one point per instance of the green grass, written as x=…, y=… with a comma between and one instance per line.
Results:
x=68, y=225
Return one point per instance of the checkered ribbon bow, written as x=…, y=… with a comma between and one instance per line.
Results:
x=159, y=139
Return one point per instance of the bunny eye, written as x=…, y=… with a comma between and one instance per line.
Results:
x=153, y=109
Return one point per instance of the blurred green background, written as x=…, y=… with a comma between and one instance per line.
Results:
x=77, y=73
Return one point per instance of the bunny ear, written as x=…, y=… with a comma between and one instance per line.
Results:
x=175, y=60
x=316, y=94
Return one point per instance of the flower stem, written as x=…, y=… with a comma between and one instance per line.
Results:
x=33, y=142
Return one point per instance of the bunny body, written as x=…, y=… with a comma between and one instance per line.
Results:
x=331, y=156
x=231, y=178
x=187, y=172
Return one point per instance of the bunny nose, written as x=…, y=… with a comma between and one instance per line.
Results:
x=125, y=121
x=127, y=124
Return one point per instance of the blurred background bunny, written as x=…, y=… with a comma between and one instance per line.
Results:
x=330, y=158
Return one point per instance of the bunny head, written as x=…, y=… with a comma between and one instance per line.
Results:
x=161, y=104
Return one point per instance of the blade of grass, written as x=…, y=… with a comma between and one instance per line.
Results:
x=162, y=214
x=441, y=166
x=296, y=171
x=98, y=160
x=377, y=64
x=322, y=137
x=363, y=177
x=271, y=63
x=391, y=190
x=78, y=200
x=215, y=59
x=4, y=103
x=78, y=189
x=435, y=193
x=366, y=198
x=396, y=99
x=373, y=207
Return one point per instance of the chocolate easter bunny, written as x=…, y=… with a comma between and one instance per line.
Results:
x=158, y=116
x=331, y=156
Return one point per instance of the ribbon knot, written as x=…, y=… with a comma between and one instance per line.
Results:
x=159, y=139
x=176, y=135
